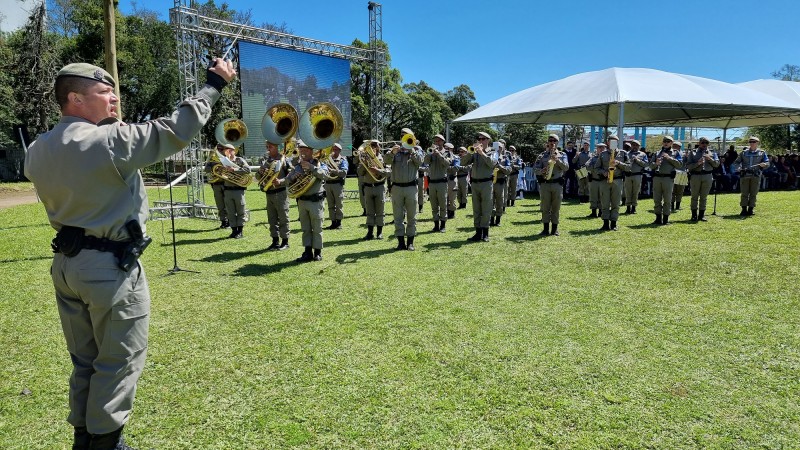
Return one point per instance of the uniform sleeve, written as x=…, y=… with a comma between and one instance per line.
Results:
x=140, y=145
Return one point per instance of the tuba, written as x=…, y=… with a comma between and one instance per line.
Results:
x=371, y=162
x=409, y=141
x=279, y=124
x=213, y=157
x=320, y=127
x=233, y=132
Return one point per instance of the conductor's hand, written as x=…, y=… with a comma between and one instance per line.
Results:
x=219, y=73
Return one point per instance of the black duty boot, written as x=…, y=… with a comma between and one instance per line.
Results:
x=239, y=234
x=369, y=235
x=363, y=213
x=665, y=219
x=306, y=256
x=633, y=209
x=401, y=243
x=605, y=225
x=744, y=211
x=677, y=206
x=545, y=229
x=233, y=233
x=81, y=439
x=477, y=236
x=628, y=209
x=420, y=208
x=485, y=235
x=410, y=245
x=109, y=441
x=380, y=233
x=750, y=211
x=274, y=245
x=462, y=206
x=593, y=213
x=497, y=221
x=491, y=221
x=337, y=225
x=317, y=254
x=284, y=244
x=435, y=225
x=451, y=214
x=554, y=230
x=694, y=215
x=613, y=226
x=442, y=228
x=658, y=220
x=224, y=223
x=702, y=216
x=513, y=201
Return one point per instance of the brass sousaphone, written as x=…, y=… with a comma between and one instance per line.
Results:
x=278, y=125
x=233, y=132
x=320, y=127
x=371, y=162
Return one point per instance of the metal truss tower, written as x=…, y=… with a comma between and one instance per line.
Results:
x=190, y=26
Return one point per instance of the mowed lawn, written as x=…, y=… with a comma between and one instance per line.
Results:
x=685, y=336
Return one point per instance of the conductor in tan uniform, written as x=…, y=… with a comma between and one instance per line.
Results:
x=86, y=172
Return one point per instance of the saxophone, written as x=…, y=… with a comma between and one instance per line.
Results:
x=612, y=158
x=550, y=165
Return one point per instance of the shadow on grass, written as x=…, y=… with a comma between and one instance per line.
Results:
x=26, y=226
x=231, y=256
x=255, y=270
x=642, y=226
x=588, y=232
x=732, y=217
x=528, y=238
x=447, y=245
x=349, y=258
x=526, y=222
x=339, y=243
x=31, y=258
x=168, y=242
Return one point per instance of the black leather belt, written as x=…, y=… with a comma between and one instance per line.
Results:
x=235, y=188
x=664, y=175
x=702, y=172
x=409, y=184
x=438, y=180
x=337, y=181
x=373, y=184
x=451, y=177
x=276, y=190
x=313, y=197
x=500, y=180
x=552, y=180
x=463, y=175
x=481, y=180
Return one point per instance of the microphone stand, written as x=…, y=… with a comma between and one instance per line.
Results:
x=175, y=269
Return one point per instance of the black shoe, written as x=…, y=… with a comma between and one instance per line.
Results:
x=81, y=439
x=380, y=233
x=363, y=213
x=628, y=209
x=332, y=226
x=605, y=225
x=613, y=226
x=677, y=206
x=224, y=224
x=109, y=441
x=554, y=230
x=435, y=226
x=665, y=219
x=593, y=213
x=401, y=243
x=274, y=245
x=442, y=227
x=485, y=235
x=750, y=212
x=317, y=254
x=451, y=214
x=239, y=234
x=545, y=230
x=306, y=256
x=694, y=215
x=410, y=245
x=491, y=221
x=233, y=233
x=702, y=216
x=658, y=220
x=369, y=235
x=477, y=236
x=497, y=221
x=420, y=208
x=633, y=209
x=744, y=211
x=513, y=202
x=462, y=206
x=284, y=245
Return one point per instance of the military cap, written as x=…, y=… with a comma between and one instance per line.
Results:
x=703, y=139
x=601, y=144
x=554, y=136
x=300, y=144
x=502, y=141
x=88, y=71
x=406, y=131
x=668, y=138
x=462, y=149
x=230, y=146
x=512, y=148
x=337, y=145
x=484, y=135
x=754, y=138
x=678, y=143
x=635, y=141
x=439, y=136
x=448, y=145
x=613, y=137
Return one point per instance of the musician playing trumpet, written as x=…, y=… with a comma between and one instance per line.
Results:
x=701, y=164
x=374, y=193
x=310, y=205
x=452, y=184
x=461, y=179
x=438, y=163
x=481, y=175
x=234, y=194
x=277, y=198
x=406, y=162
x=549, y=169
x=611, y=163
x=334, y=186
x=664, y=164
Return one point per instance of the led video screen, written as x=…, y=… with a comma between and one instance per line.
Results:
x=271, y=75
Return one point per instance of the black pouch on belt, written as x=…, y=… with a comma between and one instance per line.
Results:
x=68, y=241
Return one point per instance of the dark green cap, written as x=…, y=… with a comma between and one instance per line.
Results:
x=85, y=70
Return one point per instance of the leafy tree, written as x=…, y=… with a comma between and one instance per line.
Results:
x=7, y=101
x=530, y=140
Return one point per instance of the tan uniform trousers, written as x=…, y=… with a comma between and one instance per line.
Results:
x=361, y=192
x=677, y=192
x=334, y=193
x=105, y=316
x=749, y=186
x=594, y=193
x=662, y=195
x=404, y=203
x=482, y=203
x=700, y=186
x=219, y=200
x=374, y=204
x=499, y=197
x=463, y=190
x=437, y=194
x=311, y=214
x=278, y=213
x=234, y=204
x=551, y=195
x=452, y=193
x=633, y=185
x=511, y=186
x=583, y=186
x=610, y=196
x=420, y=191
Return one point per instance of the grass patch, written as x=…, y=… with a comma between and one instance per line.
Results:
x=682, y=336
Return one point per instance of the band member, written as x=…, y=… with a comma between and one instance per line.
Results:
x=461, y=179
x=310, y=206
x=481, y=175
x=86, y=172
x=277, y=198
x=701, y=164
x=421, y=182
x=357, y=162
x=550, y=168
x=612, y=171
x=502, y=169
x=570, y=179
x=750, y=162
x=633, y=176
x=595, y=180
x=452, y=184
x=218, y=188
x=663, y=165
x=234, y=194
x=406, y=163
x=334, y=186
x=579, y=161
x=678, y=190
x=513, y=177
x=438, y=163
x=374, y=194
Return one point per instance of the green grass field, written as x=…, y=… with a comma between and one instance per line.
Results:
x=683, y=336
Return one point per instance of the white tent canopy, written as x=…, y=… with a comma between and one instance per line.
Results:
x=647, y=97
x=788, y=91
